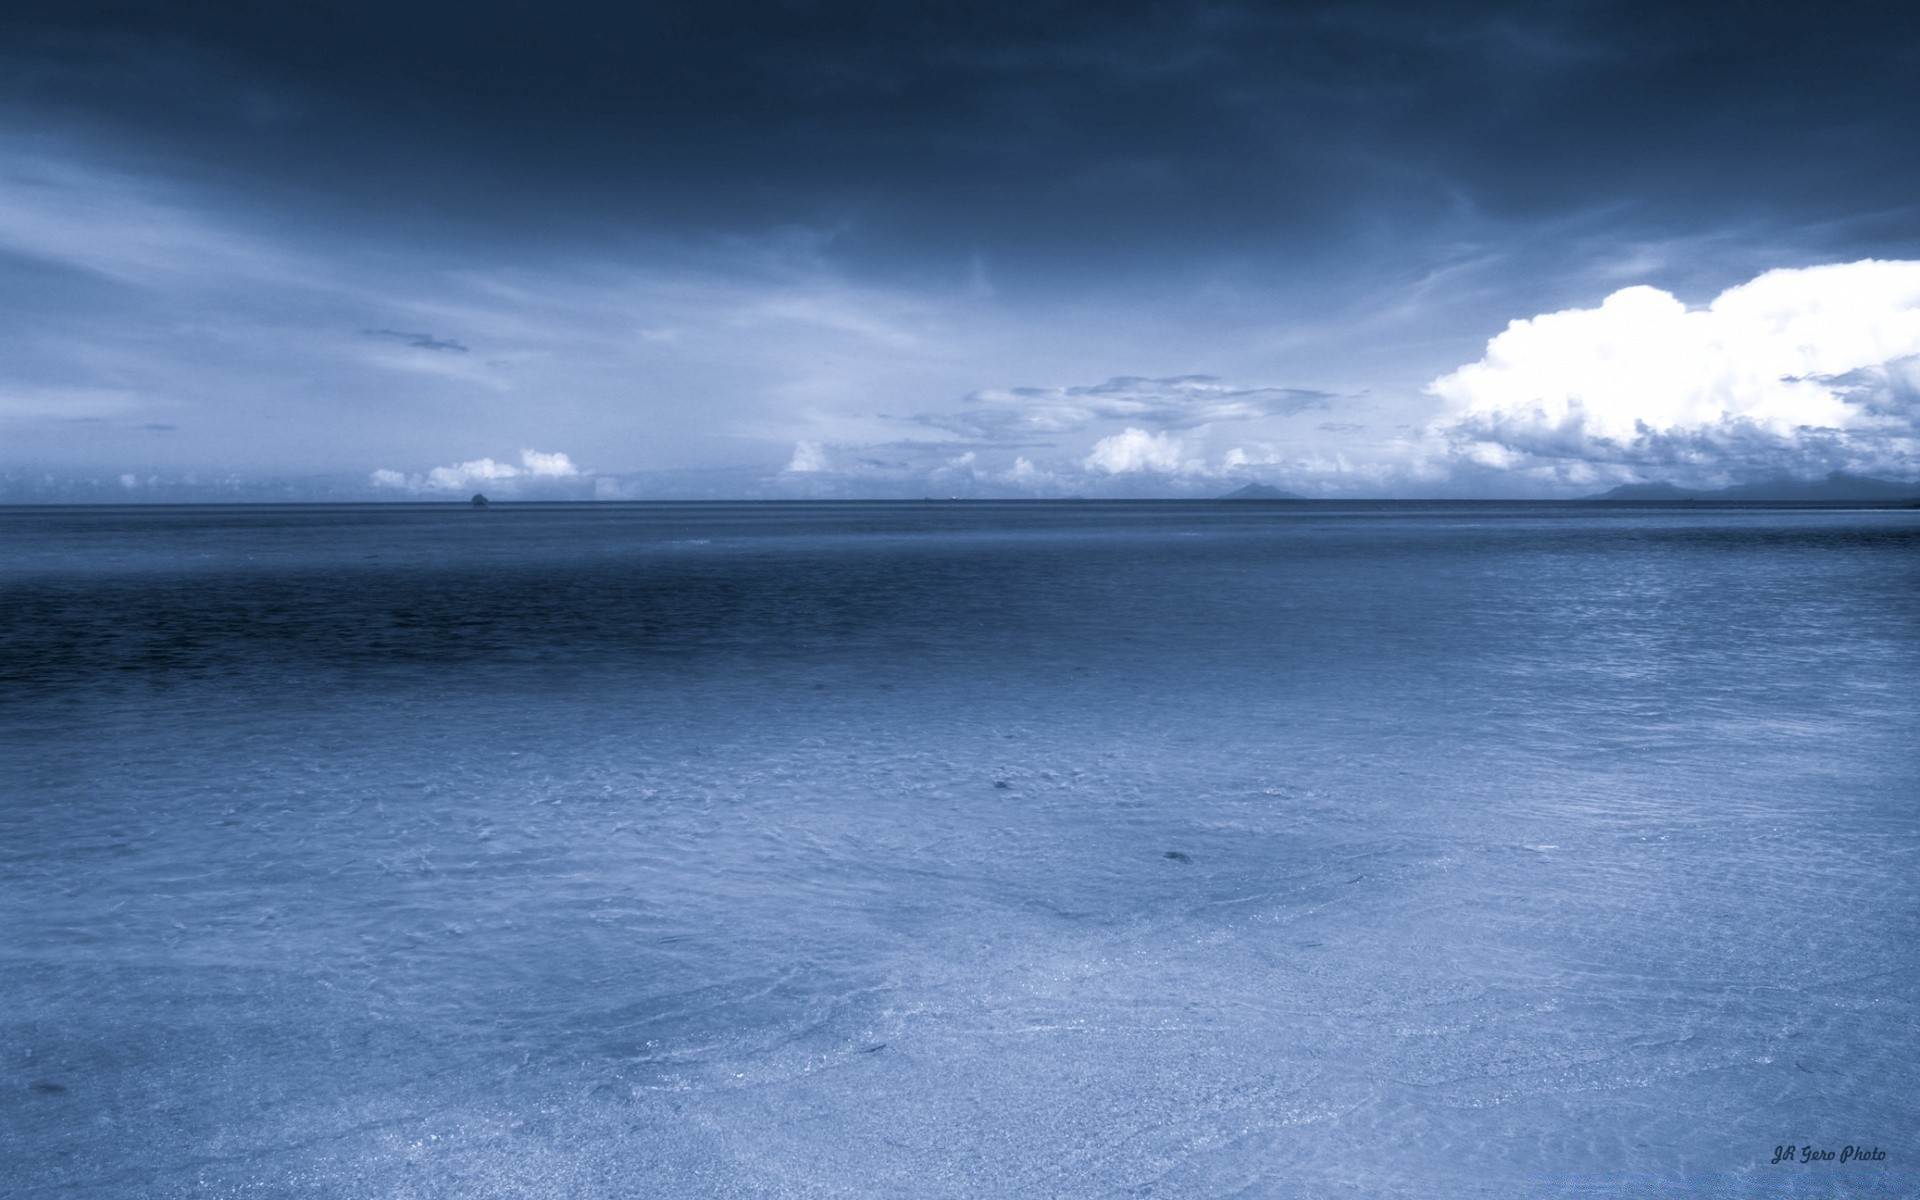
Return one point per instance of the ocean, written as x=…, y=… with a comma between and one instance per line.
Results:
x=959, y=850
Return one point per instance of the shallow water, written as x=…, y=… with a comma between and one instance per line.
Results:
x=932, y=850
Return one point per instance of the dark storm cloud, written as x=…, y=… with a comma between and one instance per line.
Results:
x=1070, y=133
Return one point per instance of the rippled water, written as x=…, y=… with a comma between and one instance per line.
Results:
x=956, y=850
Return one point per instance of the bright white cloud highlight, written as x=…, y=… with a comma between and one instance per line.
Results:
x=1795, y=372
x=547, y=466
x=535, y=467
x=1134, y=450
x=808, y=458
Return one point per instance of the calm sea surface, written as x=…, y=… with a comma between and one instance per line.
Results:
x=957, y=850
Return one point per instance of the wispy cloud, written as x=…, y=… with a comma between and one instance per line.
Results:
x=141, y=231
x=1173, y=402
x=419, y=341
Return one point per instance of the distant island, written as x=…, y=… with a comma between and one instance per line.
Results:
x=1837, y=488
x=1261, y=491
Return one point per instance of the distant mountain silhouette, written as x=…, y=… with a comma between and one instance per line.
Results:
x=1838, y=487
x=1261, y=491
x=1647, y=492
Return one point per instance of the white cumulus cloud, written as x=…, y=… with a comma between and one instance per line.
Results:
x=808, y=458
x=554, y=465
x=535, y=467
x=1135, y=450
x=1796, y=372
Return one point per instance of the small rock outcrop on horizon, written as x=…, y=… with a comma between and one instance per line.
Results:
x=479, y=501
x=1261, y=491
x=1837, y=488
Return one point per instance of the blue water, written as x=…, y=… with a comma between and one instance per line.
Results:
x=957, y=850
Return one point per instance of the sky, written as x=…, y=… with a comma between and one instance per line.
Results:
x=679, y=250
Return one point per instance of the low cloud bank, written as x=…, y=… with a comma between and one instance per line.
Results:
x=1130, y=435
x=536, y=468
x=1796, y=373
